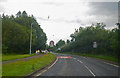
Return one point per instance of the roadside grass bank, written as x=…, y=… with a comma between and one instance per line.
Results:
x=22, y=68
x=110, y=58
x=7, y=57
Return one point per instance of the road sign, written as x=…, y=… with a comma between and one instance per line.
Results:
x=51, y=43
x=94, y=44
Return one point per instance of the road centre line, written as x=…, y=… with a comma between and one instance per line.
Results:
x=111, y=64
x=73, y=58
x=90, y=70
x=85, y=66
x=83, y=57
x=80, y=61
x=47, y=68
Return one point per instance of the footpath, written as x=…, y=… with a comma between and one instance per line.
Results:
x=24, y=59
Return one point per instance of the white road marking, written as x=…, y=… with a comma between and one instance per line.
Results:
x=90, y=70
x=73, y=58
x=47, y=68
x=80, y=61
x=84, y=57
x=85, y=66
x=111, y=64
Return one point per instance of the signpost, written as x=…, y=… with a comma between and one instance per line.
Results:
x=51, y=43
x=94, y=44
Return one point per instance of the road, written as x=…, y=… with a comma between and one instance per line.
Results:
x=73, y=65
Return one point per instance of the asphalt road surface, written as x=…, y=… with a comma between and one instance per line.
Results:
x=73, y=65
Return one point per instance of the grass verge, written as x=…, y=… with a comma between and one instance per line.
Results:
x=110, y=58
x=22, y=68
x=8, y=57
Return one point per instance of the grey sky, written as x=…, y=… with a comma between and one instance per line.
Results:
x=107, y=11
x=65, y=15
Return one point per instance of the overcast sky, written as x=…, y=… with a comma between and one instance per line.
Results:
x=65, y=15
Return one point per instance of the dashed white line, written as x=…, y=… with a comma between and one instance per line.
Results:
x=84, y=57
x=47, y=68
x=90, y=70
x=73, y=58
x=85, y=67
x=80, y=61
x=111, y=64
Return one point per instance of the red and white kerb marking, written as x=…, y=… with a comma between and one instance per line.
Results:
x=64, y=57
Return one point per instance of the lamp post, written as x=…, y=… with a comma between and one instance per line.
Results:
x=31, y=37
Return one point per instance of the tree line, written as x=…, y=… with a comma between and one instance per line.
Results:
x=82, y=40
x=16, y=32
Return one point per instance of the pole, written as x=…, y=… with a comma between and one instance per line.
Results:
x=31, y=37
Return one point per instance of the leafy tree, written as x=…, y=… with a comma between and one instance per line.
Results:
x=60, y=43
x=68, y=41
x=19, y=14
x=24, y=14
x=107, y=40
x=16, y=33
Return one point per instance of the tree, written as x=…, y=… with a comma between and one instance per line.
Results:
x=12, y=17
x=24, y=14
x=107, y=41
x=60, y=43
x=19, y=14
x=16, y=33
x=68, y=41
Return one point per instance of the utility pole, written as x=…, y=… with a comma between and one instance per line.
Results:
x=31, y=38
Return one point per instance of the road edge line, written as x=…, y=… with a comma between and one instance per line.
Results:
x=47, y=68
x=40, y=70
x=111, y=64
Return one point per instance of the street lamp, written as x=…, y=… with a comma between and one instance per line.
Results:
x=31, y=37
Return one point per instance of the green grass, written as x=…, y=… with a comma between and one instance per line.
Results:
x=8, y=57
x=0, y=64
x=110, y=58
x=21, y=68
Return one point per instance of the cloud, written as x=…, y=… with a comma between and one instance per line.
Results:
x=3, y=0
x=41, y=18
x=93, y=12
x=105, y=11
x=1, y=9
x=119, y=11
x=103, y=8
x=52, y=3
x=65, y=15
